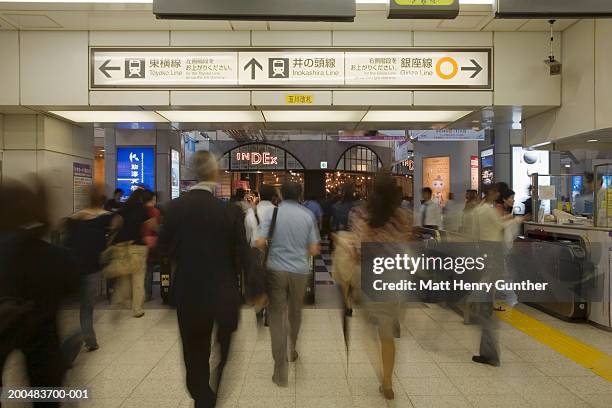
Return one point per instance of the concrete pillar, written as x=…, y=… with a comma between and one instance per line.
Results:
x=37, y=145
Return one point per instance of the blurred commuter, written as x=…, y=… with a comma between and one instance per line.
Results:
x=342, y=209
x=150, y=238
x=240, y=199
x=382, y=221
x=328, y=210
x=254, y=215
x=204, y=236
x=294, y=237
x=452, y=214
x=312, y=203
x=430, y=215
x=114, y=204
x=407, y=203
x=584, y=202
x=35, y=277
x=505, y=205
x=86, y=237
x=467, y=219
x=129, y=224
x=489, y=228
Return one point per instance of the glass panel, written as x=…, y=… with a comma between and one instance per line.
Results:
x=603, y=196
x=224, y=162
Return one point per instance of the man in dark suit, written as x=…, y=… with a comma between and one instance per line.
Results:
x=205, y=237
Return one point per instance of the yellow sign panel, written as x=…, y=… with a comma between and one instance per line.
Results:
x=425, y=2
x=299, y=99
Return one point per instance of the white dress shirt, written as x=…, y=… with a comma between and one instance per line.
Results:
x=250, y=221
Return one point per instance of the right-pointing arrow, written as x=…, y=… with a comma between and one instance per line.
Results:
x=104, y=68
x=253, y=64
x=476, y=68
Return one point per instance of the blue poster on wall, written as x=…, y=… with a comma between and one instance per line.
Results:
x=135, y=168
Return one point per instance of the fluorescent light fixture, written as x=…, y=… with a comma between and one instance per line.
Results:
x=540, y=145
x=414, y=116
x=568, y=166
x=592, y=140
x=313, y=116
x=110, y=116
x=212, y=116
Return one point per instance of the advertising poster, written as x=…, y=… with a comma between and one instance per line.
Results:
x=436, y=175
x=474, y=170
x=82, y=181
x=175, y=174
x=524, y=164
x=135, y=168
x=487, y=168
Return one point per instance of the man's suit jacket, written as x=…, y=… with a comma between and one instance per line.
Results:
x=205, y=237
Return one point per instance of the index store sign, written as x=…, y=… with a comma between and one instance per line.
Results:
x=135, y=169
x=256, y=158
x=409, y=68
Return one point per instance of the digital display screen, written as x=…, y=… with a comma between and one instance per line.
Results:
x=135, y=169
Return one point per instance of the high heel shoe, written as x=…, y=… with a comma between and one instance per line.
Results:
x=387, y=393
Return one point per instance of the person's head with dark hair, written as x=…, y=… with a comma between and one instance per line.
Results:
x=506, y=198
x=491, y=194
x=150, y=198
x=137, y=198
x=589, y=182
x=348, y=192
x=117, y=194
x=290, y=190
x=267, y=192
x=501, y=187
x=240, y=194
x=23, y=208
x=97, y=197
x=471, y=196
x=383, y=201
x=426, y=193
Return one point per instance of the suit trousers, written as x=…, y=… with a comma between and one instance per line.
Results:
x=489, y=339
x=196, y=328
x=286, y=293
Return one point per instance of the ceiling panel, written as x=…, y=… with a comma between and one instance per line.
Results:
x=287, y=25
x=504, y=25
x=5, y=25
x=249, y=25
x=542, y=25
x=32, y=21
x=463, y=22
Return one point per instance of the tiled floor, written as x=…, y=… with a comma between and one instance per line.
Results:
x=139, y=365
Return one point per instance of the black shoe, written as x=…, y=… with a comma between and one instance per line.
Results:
x=348, y=312
x=484, y=360
x=294, y=357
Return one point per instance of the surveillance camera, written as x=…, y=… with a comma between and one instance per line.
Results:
x=556, y=68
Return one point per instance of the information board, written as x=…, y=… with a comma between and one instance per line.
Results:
x=82, y=180
x=175, y=174
x=408, y=68
x=135, y=169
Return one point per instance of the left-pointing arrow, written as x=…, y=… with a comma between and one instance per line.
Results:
x=104, y=68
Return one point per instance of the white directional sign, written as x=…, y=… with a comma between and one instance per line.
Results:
x=198, y=68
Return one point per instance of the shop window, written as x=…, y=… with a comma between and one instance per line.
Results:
x=359, y=159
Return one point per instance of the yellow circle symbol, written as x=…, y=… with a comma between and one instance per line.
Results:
x=451, y=61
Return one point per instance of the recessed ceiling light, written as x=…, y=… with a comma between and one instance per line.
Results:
x=414, y=116
x=110, y=116
x=213, y=116
x=313, y=116
x=592, y=140
x=568, y=165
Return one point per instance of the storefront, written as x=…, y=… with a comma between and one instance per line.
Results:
x=358, y=164
x=249, y=166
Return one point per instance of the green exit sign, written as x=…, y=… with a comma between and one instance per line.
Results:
x=423, y=9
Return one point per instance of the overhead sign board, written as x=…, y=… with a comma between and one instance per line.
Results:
x=429, y=9
x=261, y=10
x=450, y=135
x=411, y=68
x=553, y=8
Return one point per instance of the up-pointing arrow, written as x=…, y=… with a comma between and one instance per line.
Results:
x=104, y=68
x=253, y=64
x=476, y=68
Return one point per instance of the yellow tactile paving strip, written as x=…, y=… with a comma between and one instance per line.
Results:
x=581, y=353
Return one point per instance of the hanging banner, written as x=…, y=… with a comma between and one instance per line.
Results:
x=410, y=68
x=451, y=135
x=429, y=9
